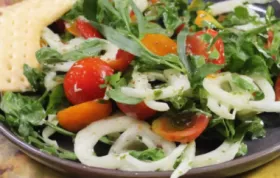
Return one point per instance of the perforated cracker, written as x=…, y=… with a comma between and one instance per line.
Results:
x=21, y=26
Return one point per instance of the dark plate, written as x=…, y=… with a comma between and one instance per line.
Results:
x=260, y=152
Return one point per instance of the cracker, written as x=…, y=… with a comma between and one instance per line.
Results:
x=21, y=26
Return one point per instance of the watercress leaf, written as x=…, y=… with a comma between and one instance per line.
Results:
x=243, y=150
x=90, y=9
x=270, y=12
x=203, y=71
x=257, y=66
x=197, y=5
x=34, y=76
x=24, y=108
x=241, y=12
x=75, y=12
x=48, y=55
x=57, y=100
x=171, y=18
x=153, y=154
x=118, y=96
x=243, y=84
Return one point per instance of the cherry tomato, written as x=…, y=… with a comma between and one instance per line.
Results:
x=164, y=128
x=79, y=116
x=269, y=39
x=139, y=111
x=83, y=80
x=86, y=30
x=159, y=44
x=277, y=88
x=180, y=28
x=122, y=61
x=196, y=46
x=82, y=28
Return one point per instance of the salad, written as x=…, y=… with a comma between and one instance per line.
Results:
x=152, y=80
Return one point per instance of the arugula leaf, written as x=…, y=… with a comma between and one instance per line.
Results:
x=34, y=76
x=75, y=12
x=119, y=39
x=118, y=96
x=122, y=6
x=140, y=19
x=89, y=48
x=154, y=154
x=181, y=43
x=23, y=108
x=57, y=100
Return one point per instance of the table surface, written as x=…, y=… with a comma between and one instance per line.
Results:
x=12, y=161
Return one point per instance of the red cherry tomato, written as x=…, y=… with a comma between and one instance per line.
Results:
x=196, y=46
x=164, y=128
x=139, y=111
x=83, y=80
x=277, y=88
x=180, y=28
x=123, y=58
x=122, y=61
x=86, y=30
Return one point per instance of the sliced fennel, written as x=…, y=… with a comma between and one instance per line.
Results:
x=141, y=88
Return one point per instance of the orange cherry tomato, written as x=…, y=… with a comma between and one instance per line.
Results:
x=159, y=44
x=193, y=130
x=196, y=46
x=79, y=116
x=139, y=111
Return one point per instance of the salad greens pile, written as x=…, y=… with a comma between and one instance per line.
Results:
x=246, y=52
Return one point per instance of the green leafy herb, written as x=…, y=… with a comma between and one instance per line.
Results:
x=34, y=76
x=148, y=155
x=243, y=150
x=23, y=108
x=118, y=96
x=75, y=12
x=57, y=100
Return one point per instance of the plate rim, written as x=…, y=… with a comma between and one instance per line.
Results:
x=33, y=152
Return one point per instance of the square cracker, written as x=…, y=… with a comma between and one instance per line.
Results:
x=21, y=26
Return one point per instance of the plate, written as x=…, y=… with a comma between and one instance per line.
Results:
x=260, y=152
